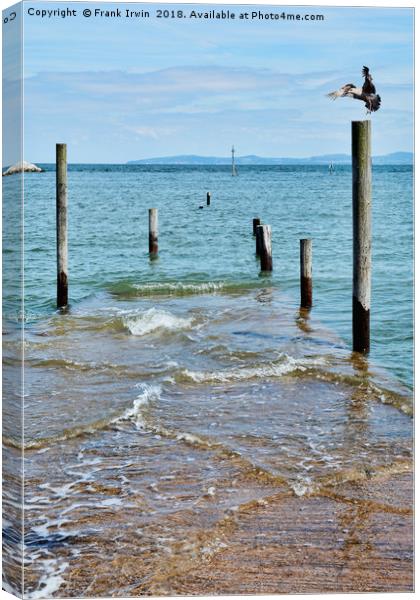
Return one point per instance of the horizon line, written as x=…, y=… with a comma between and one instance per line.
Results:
x=227, y=158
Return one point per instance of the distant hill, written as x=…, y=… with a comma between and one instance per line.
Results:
x=396, y=158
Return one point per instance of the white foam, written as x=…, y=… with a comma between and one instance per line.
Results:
x=213, y=547
x=180, y=288
x=191, y=438
x=274, y=369
x=61, y=491
x=44, y=529
x=111, y=502
x=135, y=414
x=302, y=486
x=171, y=364
x=154, y=320
x=50, y=581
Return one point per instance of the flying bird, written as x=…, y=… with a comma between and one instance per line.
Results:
x=366, y=93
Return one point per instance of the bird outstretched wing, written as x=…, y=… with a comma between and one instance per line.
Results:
x=343, y=91
x=368, y=87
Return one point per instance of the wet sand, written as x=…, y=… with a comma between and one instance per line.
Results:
x=356, y=537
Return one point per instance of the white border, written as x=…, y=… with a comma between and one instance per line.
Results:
x=351, y=3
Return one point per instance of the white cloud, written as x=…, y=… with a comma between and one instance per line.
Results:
x=155, y=133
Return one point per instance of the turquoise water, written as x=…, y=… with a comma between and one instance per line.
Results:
x=108, y=239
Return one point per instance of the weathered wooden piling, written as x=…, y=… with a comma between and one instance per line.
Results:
x=264, y=241
x=208, y=198
x=305, y=273
x=258, y=239
x=362, y=233
x=61, y=225
x=153, y=231
x=255, y=222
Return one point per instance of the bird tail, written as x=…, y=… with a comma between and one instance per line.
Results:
x=376, y=103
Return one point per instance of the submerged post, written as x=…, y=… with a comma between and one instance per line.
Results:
x=255, y=223
x=153, y=231
x=208, y=198
x=61, y=225
x=264, y=233
x=362, y=233
x=305, y=273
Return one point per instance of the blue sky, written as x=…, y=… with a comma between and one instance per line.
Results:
x=122, y=89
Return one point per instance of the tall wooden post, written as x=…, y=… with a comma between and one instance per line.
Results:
x=305, y=273
x=362, y=233
x=153, y=231
x=61, y=225
x=264, y=237
x=208, y=198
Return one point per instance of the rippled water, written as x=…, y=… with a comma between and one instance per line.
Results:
x=109, y=238
x=177, y=392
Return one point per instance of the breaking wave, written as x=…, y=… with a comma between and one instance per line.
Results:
x=285, y=365
x=134, y=413
x=154, y=320
x=178, y=288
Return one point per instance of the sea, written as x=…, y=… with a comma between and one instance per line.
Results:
x=178, y=392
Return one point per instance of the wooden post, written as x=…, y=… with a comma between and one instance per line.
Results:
x=305, y=273
x=362, y=233
x=264, y=232
x=255, y=223
x=258, y=239
x=61, y=225
x=153, y=231
x=208, y=198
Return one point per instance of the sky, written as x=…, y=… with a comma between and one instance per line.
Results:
x=120, y=89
